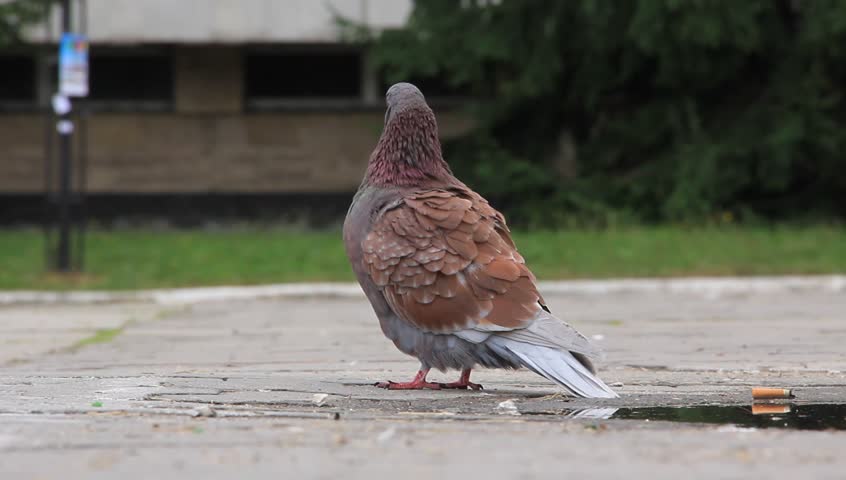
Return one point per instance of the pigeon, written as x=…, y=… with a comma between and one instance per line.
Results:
x=441, y=271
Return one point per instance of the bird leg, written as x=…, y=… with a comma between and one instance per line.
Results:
x=463, y=382
x=419, y=383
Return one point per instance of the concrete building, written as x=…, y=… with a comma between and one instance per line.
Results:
x=195, y=99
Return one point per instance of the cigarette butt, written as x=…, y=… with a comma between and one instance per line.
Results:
x=761, y=393
x=769, y=408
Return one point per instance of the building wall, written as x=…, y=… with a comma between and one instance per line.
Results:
x=307, y=152
x=225, y=21
x=205, y=133
x=208, y=79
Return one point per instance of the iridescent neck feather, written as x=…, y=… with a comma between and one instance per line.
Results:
x=408, y=152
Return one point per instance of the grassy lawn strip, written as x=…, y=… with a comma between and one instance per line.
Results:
x=103, y=335
x=130, y=259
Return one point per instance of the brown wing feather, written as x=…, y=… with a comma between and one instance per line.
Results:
x=446, y=262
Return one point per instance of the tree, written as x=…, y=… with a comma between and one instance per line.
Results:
x=653, y=109
x=15, y=15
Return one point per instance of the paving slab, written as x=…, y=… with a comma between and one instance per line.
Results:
x=289, y=384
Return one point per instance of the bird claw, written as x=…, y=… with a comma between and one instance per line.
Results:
x=389, y=385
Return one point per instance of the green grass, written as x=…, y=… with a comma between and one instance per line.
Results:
x=130, y=259
x=676, y=251
x=104, y=335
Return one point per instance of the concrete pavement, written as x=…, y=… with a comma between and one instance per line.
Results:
x=288, y=381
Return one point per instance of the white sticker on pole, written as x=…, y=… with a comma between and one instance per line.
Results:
x=73, y=65
x=61, y=104
x=64, y=127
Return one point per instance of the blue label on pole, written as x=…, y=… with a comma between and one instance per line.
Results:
x=73, y=65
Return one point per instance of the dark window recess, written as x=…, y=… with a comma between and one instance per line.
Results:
x=335, y=75
x=17, y=78
x=131, y=78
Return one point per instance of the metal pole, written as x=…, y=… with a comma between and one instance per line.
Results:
x=49, y=129
x=82, y=157
x=65, y=128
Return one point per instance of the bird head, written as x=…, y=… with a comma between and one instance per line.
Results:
x=402, y=97
x=409, y=151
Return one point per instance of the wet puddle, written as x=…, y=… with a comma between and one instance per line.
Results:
x=765, y=415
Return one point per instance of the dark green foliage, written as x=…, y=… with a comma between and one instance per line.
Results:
x=17, y=14
x=651, y=110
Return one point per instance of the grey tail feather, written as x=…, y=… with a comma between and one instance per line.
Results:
x=561, y=367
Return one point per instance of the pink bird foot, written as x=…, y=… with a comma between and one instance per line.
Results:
x=419, y=383
x=389, y=385
x=463, y=382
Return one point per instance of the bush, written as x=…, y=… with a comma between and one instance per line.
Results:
x=653, y=110
x=15, y=15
